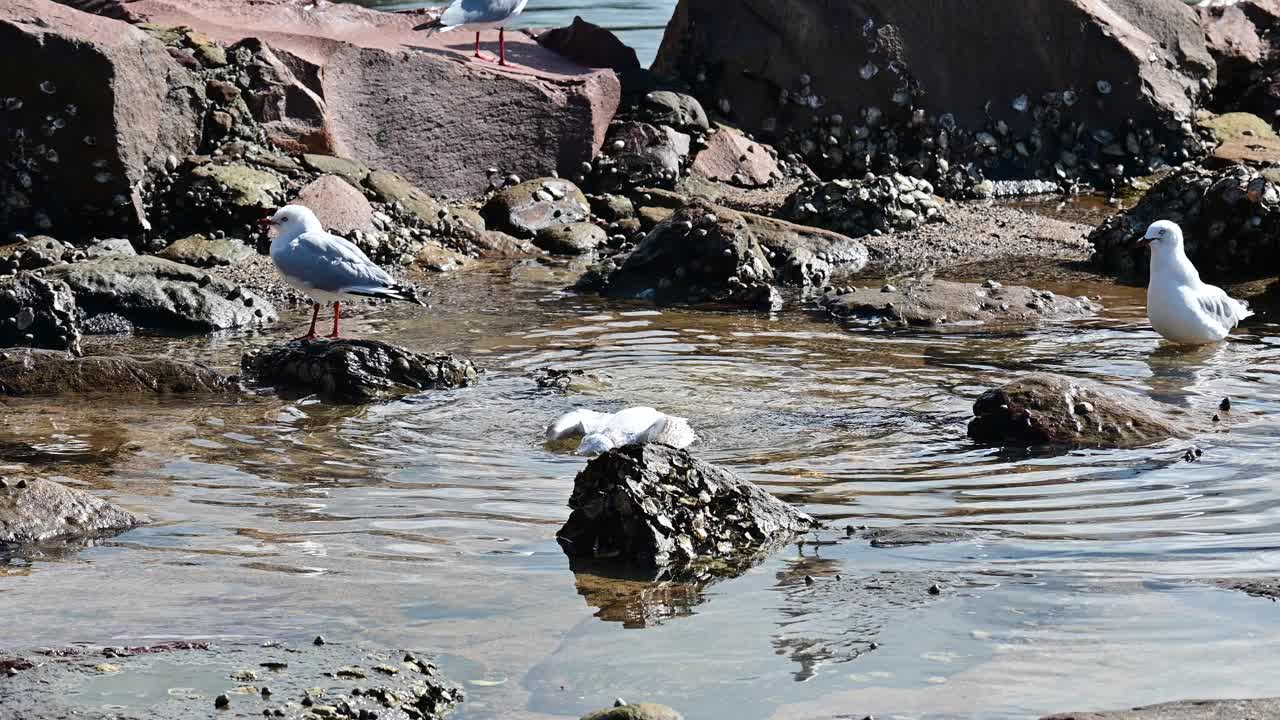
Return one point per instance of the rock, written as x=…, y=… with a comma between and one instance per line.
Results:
x=856, y=208
x=635, y=711
x=1052, y=410
x=581, y=238
x=104, y=104
x=204, y=252
x=497, y=245
x=772, y=68
x=48, y=372
x=390, y=188
x=806, y=256
x=929, y=302
x=524, y=209
x=340, y=206
x=348, y=170
x=1244, y=139
x=697, y=255
x=651, y=217
x=109, y=247
x=1230, y=220
x=654, y=506
x=1185, y=710
x=152, y=292
x=904, y=535
x=289, y=110
x=731, y=157
x=643, y=154
x=39, y=313
x=678, y=110
x=33, y=253
x=37, y=510
x=395, y=98
x=354, y=371
x=246, y=189
x=437, y=258
x=591, y=46
x=612, y=208
x=1262, y=587
x=1241, y=37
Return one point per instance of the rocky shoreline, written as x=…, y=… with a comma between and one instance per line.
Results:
x=747, y=171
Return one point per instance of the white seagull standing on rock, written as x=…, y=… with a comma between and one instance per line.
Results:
x=1180, y=307
x=478, y=15
x=327, y=268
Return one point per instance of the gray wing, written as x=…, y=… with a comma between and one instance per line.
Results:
x=329, y=263
x=1221, y=307
x=467, y=12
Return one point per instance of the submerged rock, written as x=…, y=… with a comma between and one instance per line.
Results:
x=1185, y=710
x=929, y=302
x=38, y=312
x=635, y=711
x=36, y=510
x=524, y=209
x=1044, y=409
x=1230, y=221
x=152, y=292
x=655, y=506
x=49, y=372
x=354, y=371
x=1262, y=587
x=904, y=535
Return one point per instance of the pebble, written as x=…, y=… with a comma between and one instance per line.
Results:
x=935, y=589
x=808, y=580
x=222, y=702
x=1217, y=417
x=318, y=641
x=1225, y=405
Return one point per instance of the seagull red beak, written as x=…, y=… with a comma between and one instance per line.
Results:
x=1144, y=242
x=266, y=221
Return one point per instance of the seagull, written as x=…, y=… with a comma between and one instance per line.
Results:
x=634, y=426
x=478, y=15
x=1180, y=307
x=325, y=267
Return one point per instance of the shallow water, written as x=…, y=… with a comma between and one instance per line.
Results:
x=429, y=523
x=639, y=23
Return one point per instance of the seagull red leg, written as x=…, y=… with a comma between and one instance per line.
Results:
x=315, y=313
x=337, y=314
x=502, y=46
x=478, y=46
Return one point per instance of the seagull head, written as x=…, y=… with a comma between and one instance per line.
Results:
x=1162, y=234
x=293, y=220
x=595, y=444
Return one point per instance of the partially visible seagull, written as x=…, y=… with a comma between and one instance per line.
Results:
x=325, y=267
x=1180, y=307
x=601, y=432
x=478, y=15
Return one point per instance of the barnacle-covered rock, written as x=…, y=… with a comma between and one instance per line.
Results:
x=38, y=312
x=929, y=302
x=857, y=208
x=654, y=506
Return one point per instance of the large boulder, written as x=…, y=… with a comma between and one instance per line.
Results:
x=732, y=157
x=49, y=372
x=885, y=80
x=89, y=107
x=1244, y=39
x=354, y=371
x=418, y=104
x=36, y=511
x=342, y=208
x=1051, y=410
x=152, y=292
x=38, y=312
x=592, y=46
x=640, y=154
x=654, y=506
x=1230, y=221
x=929, y=302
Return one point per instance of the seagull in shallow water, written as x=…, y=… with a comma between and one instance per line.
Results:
x=1180, y=307
x=325, y=267
x=478, y=15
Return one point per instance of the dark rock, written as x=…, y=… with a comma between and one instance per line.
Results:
x=391, y=188
x=437, y=258
x=104, y=104
x=33, y=253
x=49, y=372
x=204, y=252
x=1043, y=409
x=635, y=711
x=857, y=208
x=1185, y=710
x=152, y=292
x=524, y=209
x=340, y=206
x=221, y=92
x=680, y=111
x=1230, y=221
x=730, y=157
x=575, y=239
x=654, y=506
x=929, y=302
x=699, y=254
x=1264, y=587
x=612, y=208
x=354, y=371
x=42, y=510
x=904, y=535
x=106, y=324
x=643, y=154
x=573, y=379
x=592, y=46
x=349, y=170
x=38, y=312
x=1245, y=44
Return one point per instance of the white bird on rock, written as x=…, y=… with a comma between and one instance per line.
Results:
x=478, y=15
x=327, y=268
x=1180, y=307
x=601, y=432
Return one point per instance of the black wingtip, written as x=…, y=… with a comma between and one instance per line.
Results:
x=430, y=25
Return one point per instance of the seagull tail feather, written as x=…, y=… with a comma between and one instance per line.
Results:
x=403, y=293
